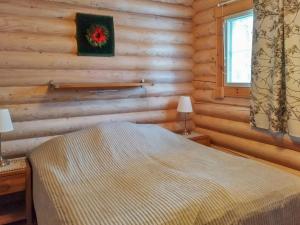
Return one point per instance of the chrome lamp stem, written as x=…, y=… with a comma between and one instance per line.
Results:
x=186, y=131
x=3, y=162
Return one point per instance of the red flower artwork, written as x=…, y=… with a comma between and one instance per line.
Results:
x=97, y=35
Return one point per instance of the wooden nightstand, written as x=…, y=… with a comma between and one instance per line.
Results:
x=15, y=192
x=197, y=137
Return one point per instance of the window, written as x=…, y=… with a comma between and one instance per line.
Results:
x=234, y=46
x=238, y=31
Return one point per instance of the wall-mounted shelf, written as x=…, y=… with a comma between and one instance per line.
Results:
x=105, y=86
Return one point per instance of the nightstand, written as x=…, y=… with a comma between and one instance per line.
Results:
x=197, y=137
x=15, y=192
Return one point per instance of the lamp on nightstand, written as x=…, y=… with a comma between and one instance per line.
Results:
x=185, y=106
x=5, y=126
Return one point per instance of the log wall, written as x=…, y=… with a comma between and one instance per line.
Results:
x=37, y=44
x=226, y=120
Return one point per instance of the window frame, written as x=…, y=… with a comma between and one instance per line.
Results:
x=225, y=43
x=222, y=13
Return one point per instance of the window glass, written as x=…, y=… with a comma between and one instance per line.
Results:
x=238, y=49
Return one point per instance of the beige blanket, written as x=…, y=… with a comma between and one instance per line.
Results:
x=128, y=174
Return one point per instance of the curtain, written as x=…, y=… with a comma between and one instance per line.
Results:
x=275, y=91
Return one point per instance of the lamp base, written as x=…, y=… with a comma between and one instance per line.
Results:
x=4, y=162
x=186, y=132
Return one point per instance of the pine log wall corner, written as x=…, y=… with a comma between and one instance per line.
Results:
x=37, y=44
x=226, y=121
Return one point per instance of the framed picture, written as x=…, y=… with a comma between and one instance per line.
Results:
x=95, y=35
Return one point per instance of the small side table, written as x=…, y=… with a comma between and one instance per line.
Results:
x=199, y=138
x=15, y=192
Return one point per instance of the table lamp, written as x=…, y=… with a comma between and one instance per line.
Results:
x=185, y=106
x=5, y=126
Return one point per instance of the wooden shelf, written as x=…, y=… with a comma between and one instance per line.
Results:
x=106, y=86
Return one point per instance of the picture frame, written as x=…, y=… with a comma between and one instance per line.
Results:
x=95, y=35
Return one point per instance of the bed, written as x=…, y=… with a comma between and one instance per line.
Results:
x=129, y=174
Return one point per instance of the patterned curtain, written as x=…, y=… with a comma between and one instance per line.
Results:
x=275, y=100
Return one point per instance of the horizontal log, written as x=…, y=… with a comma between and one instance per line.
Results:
x=204, y=95
x=21, y=147
x=25, y=42
x=182, y=2
x=229, y=112
x=206, y=43
x=159, y=50
x=53, y=110
x=33, y=60
x=207, y=29
x=12, y=23
x=282, y=156
x=62, y=27
x=205, y=78
x=136, y=6
x=152, y=36
x=207, y=69
x=203, y=17
x=38, y=94
x=205, y=56
x=51, y=127
x=32, y=77
x=208, y=96
x=61, y=10
x=204, y=85
x=201, y=5
x=244, y=130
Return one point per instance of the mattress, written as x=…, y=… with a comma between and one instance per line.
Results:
x=129, y=174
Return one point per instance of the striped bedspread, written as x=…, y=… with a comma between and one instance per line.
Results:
x=128, y=174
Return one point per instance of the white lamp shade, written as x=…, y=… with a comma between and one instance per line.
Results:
x=185, y=105
x=5, y=121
